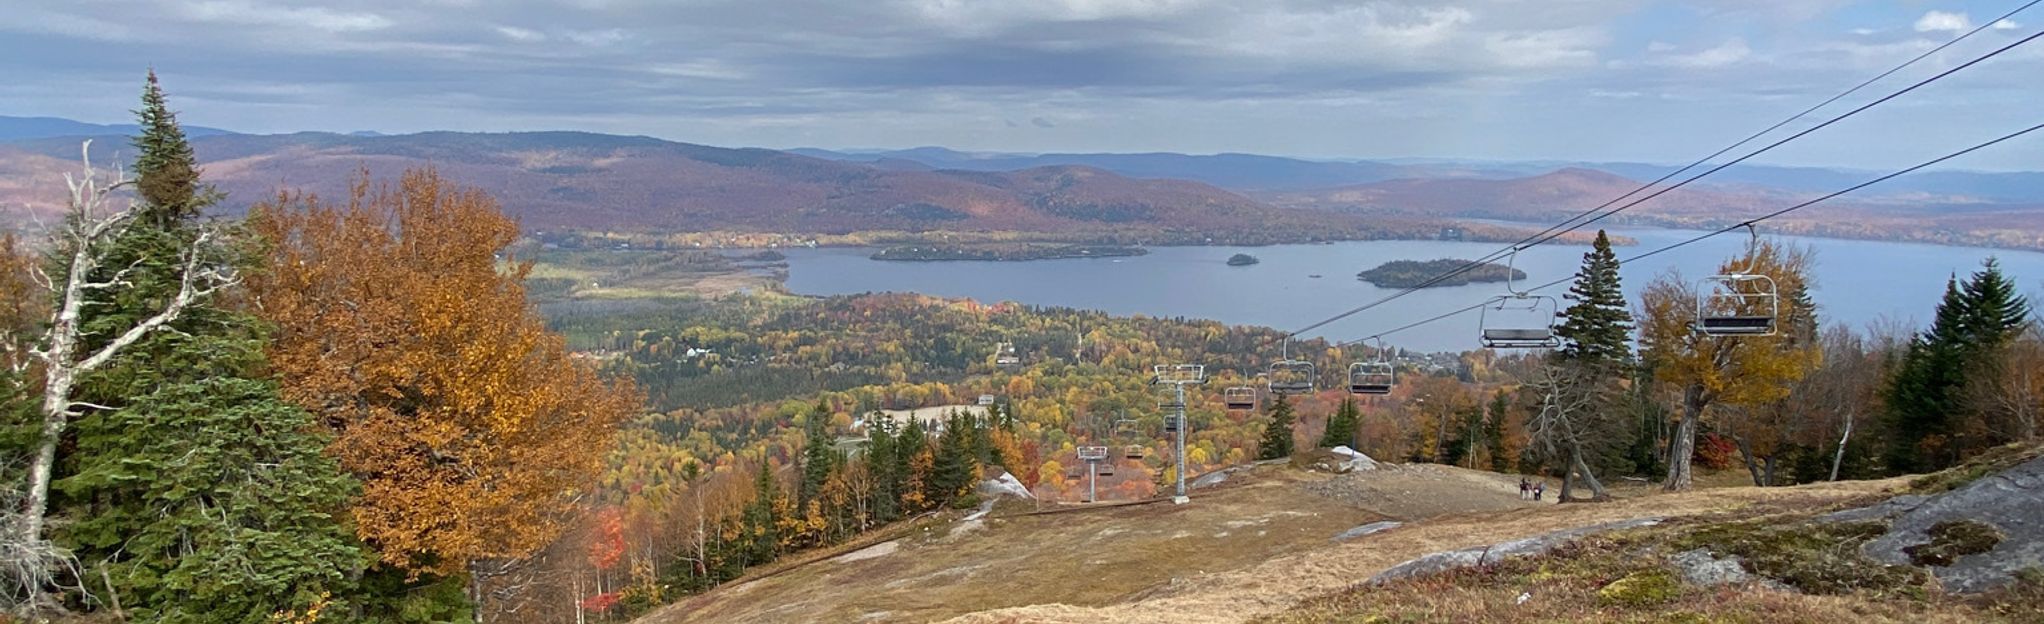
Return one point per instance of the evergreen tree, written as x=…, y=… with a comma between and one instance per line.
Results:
x=1995, y=314
x=762, y=520
x=1277, y=436
x=1597, y=327
x=192, y=481
x=166, y=172
x=888, y=477
x=952, y=477
x=219, y=505
x=818, y=456
x=1341, y=428
x=1925, y=398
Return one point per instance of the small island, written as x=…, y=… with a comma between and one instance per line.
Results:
x=1413, y=273
x=1004, y=253
x=1242, y=260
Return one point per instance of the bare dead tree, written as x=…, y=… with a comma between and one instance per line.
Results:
x=2010, y=391
x=1571, y=419
x=83, y=245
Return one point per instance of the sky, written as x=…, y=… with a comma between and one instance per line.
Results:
x=1618, y=80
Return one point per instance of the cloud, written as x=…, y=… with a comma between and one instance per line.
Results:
x=2006, y=25
x=1041, y=122
x=1941, y=21
x=258, y=14
x=515, y=33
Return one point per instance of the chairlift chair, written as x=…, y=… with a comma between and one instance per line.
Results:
x=1518, y=319
x=1133, y=451
x=1371, y=378
x=1738, y=303
x=1290, y=377
x=1171, y=423
x=1240, y=398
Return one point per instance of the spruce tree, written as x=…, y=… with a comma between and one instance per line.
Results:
x=888, y=479
x=1995, y=314
x=818, y=458
x=1597, y=328
x=1277, y=436
x=1922, y=398
x=1341, y=428
x=761, y=519
x=191, y=481
x=166, y=170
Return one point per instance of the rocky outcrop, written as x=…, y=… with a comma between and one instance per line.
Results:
x=1368, y=529
x=1973, y=538
x=1480, y=555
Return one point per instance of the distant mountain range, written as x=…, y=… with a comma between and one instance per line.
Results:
x=19, y=128
x=575, y=180
x=1254, y=173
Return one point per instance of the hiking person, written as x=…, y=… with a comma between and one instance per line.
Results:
x=1539, y=488
x=1525, y=488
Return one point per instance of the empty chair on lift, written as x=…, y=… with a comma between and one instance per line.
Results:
x=1371, y=378
x=1534, y=326
x=1133, y=451
x=1240, y=398
x=1171, y=423
x=1290, y=377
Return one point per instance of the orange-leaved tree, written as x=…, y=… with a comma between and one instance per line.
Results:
x=401, y=324
x=1737, y=370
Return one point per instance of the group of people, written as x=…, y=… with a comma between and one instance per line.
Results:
x=1529, y=490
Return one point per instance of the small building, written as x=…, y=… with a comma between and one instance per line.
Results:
x=986, y=399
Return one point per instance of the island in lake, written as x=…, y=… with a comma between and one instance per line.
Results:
x=1412, y=273
x=1242, y=260
x=1014, y=252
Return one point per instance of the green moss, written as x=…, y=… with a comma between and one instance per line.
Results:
x=1814, y=558
x=1952, y=539
x=1645, y=588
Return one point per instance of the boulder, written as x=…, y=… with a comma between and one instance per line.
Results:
x=1004, y=485
x=1973, y=538
x=1368, y=529
x=1480, y=555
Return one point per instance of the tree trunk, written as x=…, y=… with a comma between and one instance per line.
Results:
x=1767, y=470
x=1682, y=446
x=1839, y=457
x=1597, y=493
x=475, y=591
x=1746, y=456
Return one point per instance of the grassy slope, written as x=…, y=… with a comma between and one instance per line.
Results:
x=1254, y=548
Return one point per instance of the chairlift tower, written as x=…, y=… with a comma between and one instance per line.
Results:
x=1178, y=376
x=1092, y=455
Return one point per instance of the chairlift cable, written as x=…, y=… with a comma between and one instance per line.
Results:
x=1565, y=226
x=1727, y=229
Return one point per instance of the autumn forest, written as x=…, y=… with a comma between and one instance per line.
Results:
x=349, y=408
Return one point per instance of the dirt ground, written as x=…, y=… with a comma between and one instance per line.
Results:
x=1254, y=546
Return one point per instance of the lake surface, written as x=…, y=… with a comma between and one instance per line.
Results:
x=1858, y=282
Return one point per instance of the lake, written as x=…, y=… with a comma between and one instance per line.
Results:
x=1858, y=282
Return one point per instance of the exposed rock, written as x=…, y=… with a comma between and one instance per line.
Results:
x=2006, y=502
x=1368, y=529
x=1357, y=460
x=1004, y=485
x=1884, y=510
x=1479, y=555
x=1703, y=568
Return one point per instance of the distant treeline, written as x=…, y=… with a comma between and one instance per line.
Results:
x=936, y=253
x=1411, y=273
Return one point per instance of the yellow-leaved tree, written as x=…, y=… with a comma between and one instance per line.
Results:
x=401, y=325
x=1736, y=370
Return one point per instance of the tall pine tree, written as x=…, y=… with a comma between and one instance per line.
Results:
x=1597, y=328
x=1277, y=436
x=818, y=457
x=1925, y=398
x=195, y=489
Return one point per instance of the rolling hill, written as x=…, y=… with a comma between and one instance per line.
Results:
x=603, y=182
